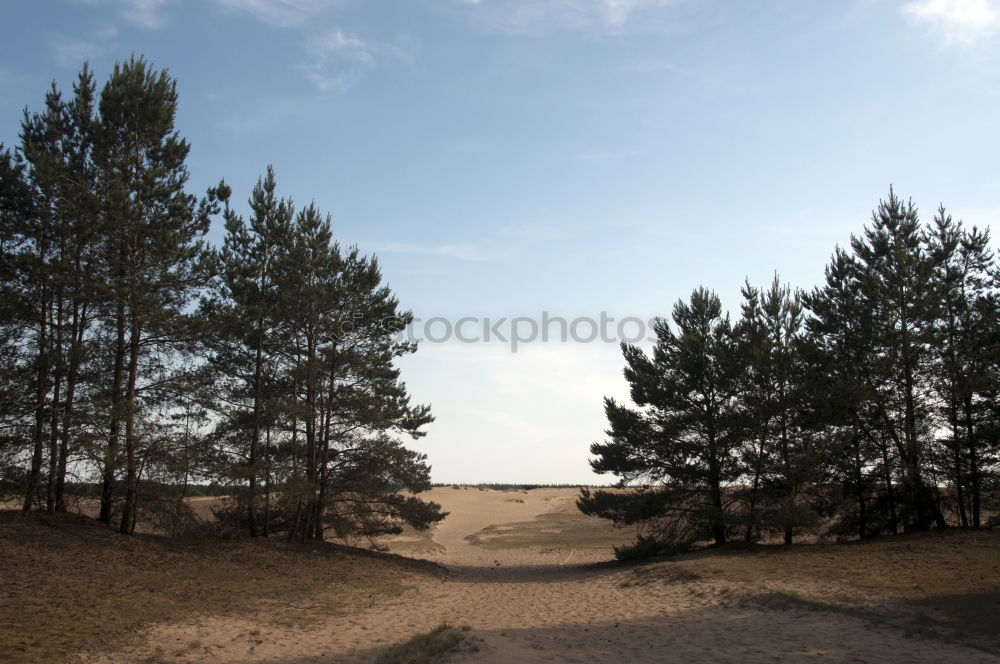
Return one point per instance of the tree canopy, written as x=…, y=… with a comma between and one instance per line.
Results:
x=138, y=356
x=862, y=407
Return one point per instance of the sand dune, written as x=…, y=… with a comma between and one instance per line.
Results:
x=525, y=576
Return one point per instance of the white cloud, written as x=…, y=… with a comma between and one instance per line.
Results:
x=532, y=17
x=502, y=243
x=533, y=233
x=146, y=13
x=267, y=113
x=465, y=252
x=280, y=13
x=336, y=61
x=958, y=21
x=71, y=52
x=607, y=155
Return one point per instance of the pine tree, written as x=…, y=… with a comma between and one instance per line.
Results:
x=347, y=396
x=152, y=235
x=365, y=407
x=839, y=333
x=895, y=284
x=15, y=196
x=779, y=459
x=682, y=436
x=246, y=319
x=306, y=364
x=49, y=243
x=962, y=348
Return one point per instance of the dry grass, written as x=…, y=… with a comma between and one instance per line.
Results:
x=434, y=646
x=926, y=564
x=554, y=530
x=942, y=584
x=71, y=584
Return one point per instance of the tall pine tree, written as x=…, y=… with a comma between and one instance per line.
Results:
x=682, y=436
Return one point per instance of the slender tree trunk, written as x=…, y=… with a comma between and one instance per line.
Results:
x=75, y=357
x=956, y=448
x=889, y=492
x=327, y=434
x=132, y=488
x=911, y=459
x=135, y=503
x=255, y=435
x=50, y=493
x=312, y=450
x=970, y=440
x=715, y=473
x=919, y=494
x=295, y=460
x=57, y=379
x=321, y=497
x=41, y=396
x=754, y=488
x=860, y=486
x=267, y=482
x=786, y=464
x=117, y=405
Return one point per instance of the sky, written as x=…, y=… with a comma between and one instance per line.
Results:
x=560, y=160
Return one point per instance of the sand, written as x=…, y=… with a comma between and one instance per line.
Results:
x=526, y=575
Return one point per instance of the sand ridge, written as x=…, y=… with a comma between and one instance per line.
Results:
x=552, y=602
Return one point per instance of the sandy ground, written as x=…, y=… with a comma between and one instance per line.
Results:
x=533, y=592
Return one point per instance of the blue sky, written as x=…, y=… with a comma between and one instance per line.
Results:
x=508, y=158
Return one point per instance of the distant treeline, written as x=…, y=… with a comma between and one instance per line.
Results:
x=867, y=405
x=501, y=486
x=139, y=363
x=11, y=486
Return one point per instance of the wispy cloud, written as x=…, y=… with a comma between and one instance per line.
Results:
x=71, y=52
x=335, y=59
x=281, y=13
x=957, y=21
x=534, y=233
x=501, y=243
x=607, y=155
x=268, y=113
x=532, y=17
x=148, y=14
x=464, y=252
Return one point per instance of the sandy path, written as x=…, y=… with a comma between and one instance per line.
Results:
x=547, y=612
x=471, y=510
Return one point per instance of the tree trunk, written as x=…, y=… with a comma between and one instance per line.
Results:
x=970, y=440
x=755, y=487
x=118, y=379
x=786, y=463
x=50, y=493
x=41, y=394
x=312, y=450
x=889, y=492
x=860, y=486
x=131, y=488
x=255, y=435
x=57, y=379
x=75, y=357
x=715, y=488
x=267, y=482
x=959, y=479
